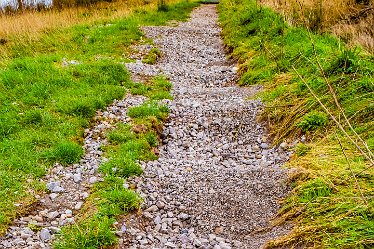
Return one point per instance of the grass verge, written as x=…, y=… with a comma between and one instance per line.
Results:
x=331, y=203
x=52, y=87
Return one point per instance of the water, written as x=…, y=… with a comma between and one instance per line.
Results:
x=27, y=3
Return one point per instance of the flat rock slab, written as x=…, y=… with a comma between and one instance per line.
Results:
x=217, y=179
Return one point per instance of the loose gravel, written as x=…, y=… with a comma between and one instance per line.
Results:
x=217, y=180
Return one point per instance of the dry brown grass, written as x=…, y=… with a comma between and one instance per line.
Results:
x=361, y=31
x=352, y=20
x=32, y=23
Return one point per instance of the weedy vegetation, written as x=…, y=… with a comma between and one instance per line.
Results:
x=51, y=87
x=317, y=88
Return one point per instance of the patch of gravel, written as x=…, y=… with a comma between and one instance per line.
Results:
x=217, y=180
x=68, y=186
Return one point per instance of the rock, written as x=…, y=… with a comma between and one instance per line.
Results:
x=55, y=187
x=45, y=234
x=212, y=237
x=93, y=179
x=69, y=220
x=6, y=244
x=148, y=215
x=78, y=205
x=170, y=245
x=143, y=242
x=160, y=204
x=38, y=218
x=283, y=145
x=84, y=195
x=77, y=178
x=54, y=229
x=123, y=228
x=264, y=145
x=183, y=238
x=27, y=230
x=157, y=220
x=25, y=236
x=152, y=208
x=53, y=215
x=237, y=244
x=183, y=216
x=197, y=243
x=223, y=245
x=68, y=213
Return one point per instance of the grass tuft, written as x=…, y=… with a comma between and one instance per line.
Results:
x=98, y=232
x=312, y=121
x=67, y=153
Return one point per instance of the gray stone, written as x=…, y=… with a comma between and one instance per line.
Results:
x=45, y=234
x=77, y=178
x=55, y=187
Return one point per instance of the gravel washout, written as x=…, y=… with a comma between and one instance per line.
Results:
x=217, y=179
x=68, y=186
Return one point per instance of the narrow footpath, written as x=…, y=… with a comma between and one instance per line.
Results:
x=217, y=179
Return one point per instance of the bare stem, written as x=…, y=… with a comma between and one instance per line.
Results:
x=350, y=169
x=333, y=117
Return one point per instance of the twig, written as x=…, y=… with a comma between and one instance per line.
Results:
x=350, y=169
x=360, y=172
x=275, y=106
x=333, y=117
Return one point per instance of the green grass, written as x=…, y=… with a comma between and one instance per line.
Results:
x=156, y=89
x=328, y=209
x=50, y=89
x=152, y=56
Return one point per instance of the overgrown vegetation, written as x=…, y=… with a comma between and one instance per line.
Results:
x=52, y=87
x=331, y=204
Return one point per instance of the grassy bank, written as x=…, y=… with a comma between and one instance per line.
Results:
x=319, y=97
x=50, y=90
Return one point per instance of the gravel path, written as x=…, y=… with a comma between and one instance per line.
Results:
x=216, y=180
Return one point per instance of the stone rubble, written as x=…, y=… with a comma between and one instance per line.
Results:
x=217, y=180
